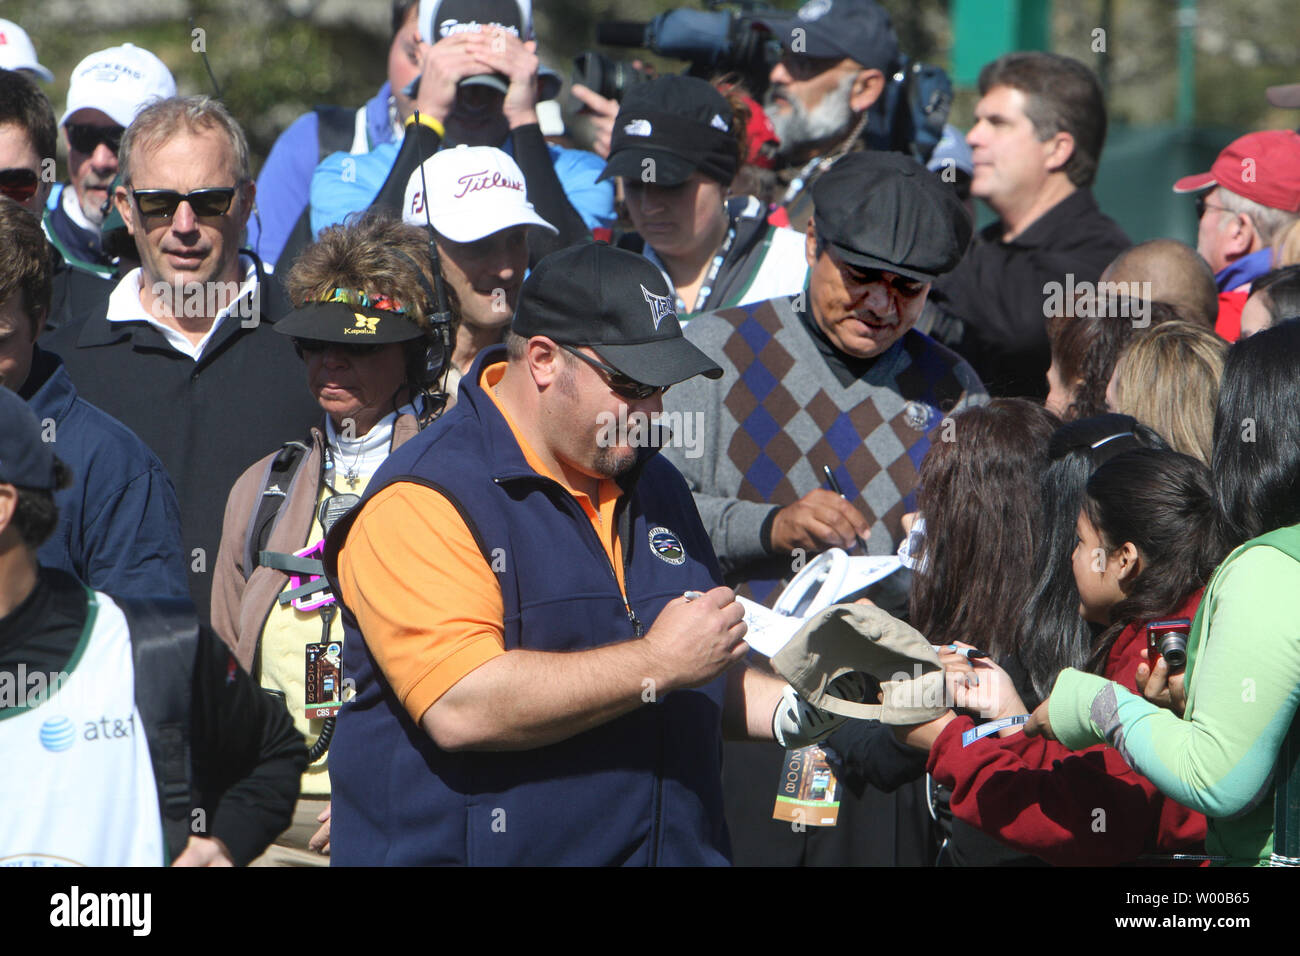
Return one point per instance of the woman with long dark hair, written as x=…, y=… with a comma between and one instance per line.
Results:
x=1146, y=541
x=1052, y=635
x=979, y=498
x=1234, y=745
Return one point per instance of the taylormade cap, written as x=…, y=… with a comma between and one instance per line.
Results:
x=886, y=211
x=119, y=81
x=834, y=29
x=25, y=459
x=18, y=53
x=670, y=127
x=473, y=192
x=846, y=638
x=1264, y=167
x=439, y=19
x=616, y=303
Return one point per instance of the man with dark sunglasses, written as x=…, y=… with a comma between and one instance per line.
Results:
x=108, y=89
x=183, y=352
x=543, y=657
x=119, y=527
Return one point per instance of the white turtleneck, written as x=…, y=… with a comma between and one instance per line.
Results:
x=362, y=456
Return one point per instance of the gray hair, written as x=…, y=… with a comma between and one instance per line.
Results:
x=1269, y=222
x=163, y=118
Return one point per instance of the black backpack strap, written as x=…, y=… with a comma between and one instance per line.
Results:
x=275, y=491
x=335, y=130
x=164, y=642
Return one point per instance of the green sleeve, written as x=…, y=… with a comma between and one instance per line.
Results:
x=1241, y=696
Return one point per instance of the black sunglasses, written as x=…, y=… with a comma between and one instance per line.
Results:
x=18, y=184
x=84, y=137
x=1202, y=205
x=619, y=384
x=862, y=275
x=210, y=201
x=313, y=346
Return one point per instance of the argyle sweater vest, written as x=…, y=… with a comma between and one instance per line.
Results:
x=778, y=414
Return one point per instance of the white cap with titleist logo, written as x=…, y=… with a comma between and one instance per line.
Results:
x=473, y=191
x=17, y=52
x=119, y=81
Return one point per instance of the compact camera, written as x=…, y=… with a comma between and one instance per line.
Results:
x=1168, y=639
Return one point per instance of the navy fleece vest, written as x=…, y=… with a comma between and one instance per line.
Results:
x=642, y=789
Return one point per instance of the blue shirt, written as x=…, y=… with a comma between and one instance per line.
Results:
x=119, y=527
x=1244, y=270
x=343, y=184
x=285, y=180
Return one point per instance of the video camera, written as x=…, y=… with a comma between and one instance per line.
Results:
x=717, y=40
x=908, y=118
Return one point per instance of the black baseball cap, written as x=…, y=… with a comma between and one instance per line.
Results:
x=681, y=124
x=25, y=459
x=882, y=210
x=615, y=302
x=349, y=324
x=858, y=29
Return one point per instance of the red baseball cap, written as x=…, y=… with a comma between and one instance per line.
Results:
x=1263, y=167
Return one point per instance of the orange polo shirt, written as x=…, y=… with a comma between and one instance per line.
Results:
x=426, y=599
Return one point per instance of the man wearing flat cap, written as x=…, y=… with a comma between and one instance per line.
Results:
x=833, y=377
x=544, y=658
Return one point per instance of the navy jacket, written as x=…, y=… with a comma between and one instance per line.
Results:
x=119, y=525
x=642, y=789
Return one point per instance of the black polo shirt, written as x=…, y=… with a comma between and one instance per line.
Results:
x=997, y=289
x=206, y=420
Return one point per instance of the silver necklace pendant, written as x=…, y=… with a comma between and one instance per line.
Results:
x=352, y=477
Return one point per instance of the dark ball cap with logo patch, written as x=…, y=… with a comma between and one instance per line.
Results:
x=835, y=29
x=616, y=303
x=886, y=211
